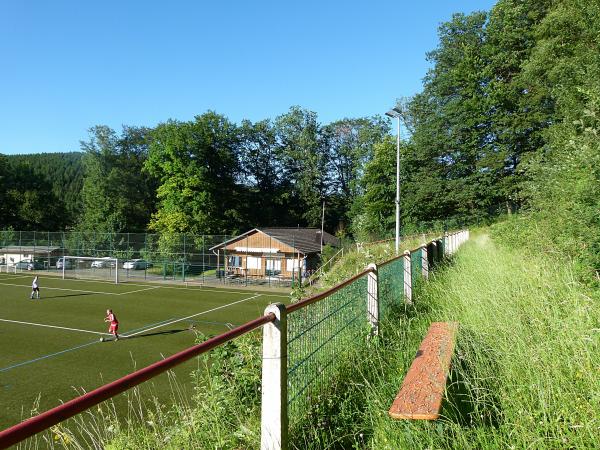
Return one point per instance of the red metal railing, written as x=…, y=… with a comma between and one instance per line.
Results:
x=43, y=421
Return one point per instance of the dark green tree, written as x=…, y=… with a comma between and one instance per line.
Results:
x=519, y=108
x=262, y=176
x=374, y=211
x=64, y=173
x=349, y=144
x=197, y=165
x=304, y=162
x=448, y=177
x=117, y=194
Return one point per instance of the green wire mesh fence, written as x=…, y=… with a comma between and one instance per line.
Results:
x=391, y=284
x=416, y=265
x=319, y=339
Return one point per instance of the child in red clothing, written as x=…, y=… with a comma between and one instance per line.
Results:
x=114, y=323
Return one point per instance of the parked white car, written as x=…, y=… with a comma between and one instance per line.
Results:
x=136, y=264
x=103, y=262
x=67, y=263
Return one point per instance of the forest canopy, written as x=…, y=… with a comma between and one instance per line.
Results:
x=506, y=121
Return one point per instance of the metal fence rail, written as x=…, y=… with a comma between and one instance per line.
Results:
x=43, y=421
x=303, y=344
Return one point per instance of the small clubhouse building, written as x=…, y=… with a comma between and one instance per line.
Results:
x=13, y=254
x=278, y=253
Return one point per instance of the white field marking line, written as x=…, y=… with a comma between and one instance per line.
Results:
x=189, y=317
x=138, y=290
x=191, y=288
x=54, y=326
x=61, y=289
x=12, y=278
x=223, y=290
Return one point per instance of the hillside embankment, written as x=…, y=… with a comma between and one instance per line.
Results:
x=526, y=373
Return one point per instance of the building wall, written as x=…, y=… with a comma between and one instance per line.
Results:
x=281, y=262
x=257, y=240
x=12, y=258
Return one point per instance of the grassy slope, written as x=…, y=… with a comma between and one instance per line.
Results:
x=527, y=372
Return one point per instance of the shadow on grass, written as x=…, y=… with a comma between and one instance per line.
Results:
x=471, y=401
x=157, y=333
x=64, y=296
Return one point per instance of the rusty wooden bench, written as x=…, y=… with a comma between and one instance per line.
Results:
x=420, y=397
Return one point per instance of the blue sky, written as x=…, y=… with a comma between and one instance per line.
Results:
x=68, y=65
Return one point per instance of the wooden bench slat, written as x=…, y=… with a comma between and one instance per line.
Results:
x=420, y=396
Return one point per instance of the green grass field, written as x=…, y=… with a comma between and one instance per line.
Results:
x=51, y=347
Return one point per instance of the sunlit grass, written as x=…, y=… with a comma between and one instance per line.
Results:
x=526, y=371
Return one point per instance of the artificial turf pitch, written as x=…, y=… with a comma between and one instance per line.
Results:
x=50, y=348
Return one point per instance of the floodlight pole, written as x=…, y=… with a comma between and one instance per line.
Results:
x=395, y=113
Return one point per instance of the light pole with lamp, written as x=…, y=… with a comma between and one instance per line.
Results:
x=395, y=113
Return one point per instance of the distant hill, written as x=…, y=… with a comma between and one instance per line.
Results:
x=63, y=171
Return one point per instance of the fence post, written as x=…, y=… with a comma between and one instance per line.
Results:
x=407, y=278
x=445, y=245
x=424, y=262
x=274, y=405
x=373, y=299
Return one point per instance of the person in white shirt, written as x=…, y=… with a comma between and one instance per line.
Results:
x=35, y=288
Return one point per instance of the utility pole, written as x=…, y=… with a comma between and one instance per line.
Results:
x=395, y=113
x=322, y=225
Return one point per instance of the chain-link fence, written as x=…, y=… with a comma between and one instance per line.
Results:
x=180, y=257
x=318, y=338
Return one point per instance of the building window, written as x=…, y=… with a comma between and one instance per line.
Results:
x=292, y=265
x=253, y=262
x=273, y=267
x=234, y=261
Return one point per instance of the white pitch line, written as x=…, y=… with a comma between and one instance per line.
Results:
x=139, y=290
x=61, y=289
x=54, y=326
x=161, y=286
x=12, y=278
x=189, y=317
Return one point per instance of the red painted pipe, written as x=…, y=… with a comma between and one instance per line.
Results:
x=41, y=422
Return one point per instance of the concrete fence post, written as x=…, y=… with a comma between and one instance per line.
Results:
x=424, y=262
x=407, y=278
x=274, y=405
x=373, y=299
x=445, y=243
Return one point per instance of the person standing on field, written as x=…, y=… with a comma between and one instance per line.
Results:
x=114, y=323
x=35, y=288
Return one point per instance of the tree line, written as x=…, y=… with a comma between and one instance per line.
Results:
x=506, y=120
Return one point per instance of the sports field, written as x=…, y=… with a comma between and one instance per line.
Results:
x=52, y=346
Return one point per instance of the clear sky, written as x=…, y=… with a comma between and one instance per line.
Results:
x=68, y=65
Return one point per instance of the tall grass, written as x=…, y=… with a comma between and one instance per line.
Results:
x=527, y=368
x=526, y=372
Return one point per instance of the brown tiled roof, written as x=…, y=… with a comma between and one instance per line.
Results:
x=304, y=240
